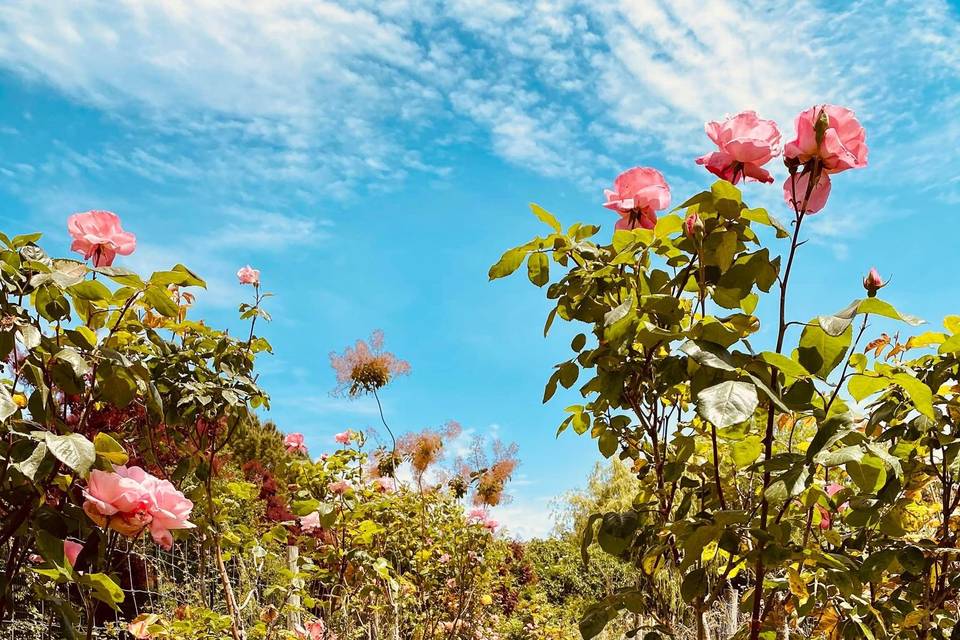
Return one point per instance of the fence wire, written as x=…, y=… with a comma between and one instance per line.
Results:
x=154, y=580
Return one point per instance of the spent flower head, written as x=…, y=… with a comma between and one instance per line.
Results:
x=366, y=367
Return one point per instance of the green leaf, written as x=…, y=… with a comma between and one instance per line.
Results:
x=666, y=225
x=787, y=365
x=869, y=472
x=864, y=386
x=109, y=449
x=608, y=443
x=73, y=450
x=878, y=307
x=31, y=465
x=7, y=406
x=568, y=374
x=179, y=275
x=745, y=452
x=92, y=290
x=538, y=268
x=788, y=484
x=72, y=357
x=727, y=403
x=694, y=585
x=763, y=217
x=121, y=275
x=158, y=298
x=920, y=394
x=508, y=263
x=819, y=352
x=546, y=217
x=708, y=354
x=617, y=530
x=103, y=588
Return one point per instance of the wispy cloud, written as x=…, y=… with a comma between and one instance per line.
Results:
x=333, y=98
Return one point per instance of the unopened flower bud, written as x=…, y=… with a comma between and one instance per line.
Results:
x=873, y=283
x=693, y=226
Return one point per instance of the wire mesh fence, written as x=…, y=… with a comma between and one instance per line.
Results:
x=154, y=580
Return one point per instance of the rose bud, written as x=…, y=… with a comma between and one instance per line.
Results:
x=693, y=226
x=873, y=283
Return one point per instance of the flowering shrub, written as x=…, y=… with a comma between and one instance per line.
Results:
x=810, y=482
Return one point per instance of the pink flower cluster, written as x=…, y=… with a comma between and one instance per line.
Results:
x=129, y=500
x=829, y=140
x=481, y=517
x=98, y=235
x=294, y=443
x=249, y=275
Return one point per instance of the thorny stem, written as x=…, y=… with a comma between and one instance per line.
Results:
x=760, y=569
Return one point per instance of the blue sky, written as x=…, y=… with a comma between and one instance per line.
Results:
x=373, y=158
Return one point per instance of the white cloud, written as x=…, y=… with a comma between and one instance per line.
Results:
x=337, y=97
x=526, y=518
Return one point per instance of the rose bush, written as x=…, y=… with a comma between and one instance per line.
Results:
x=808, y=480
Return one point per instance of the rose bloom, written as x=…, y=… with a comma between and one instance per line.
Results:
x=315, y=630
x=71, y=551
x=98, y=235
x=117, y=499
x=294, y=443
x=637, y=195
x=248, y=275
x=746, y=143
x=130, y=500
x=844, y=143
x=344, y=437
x=170, y=510
x=339, y=487
x=310, y=522
x=795, y=191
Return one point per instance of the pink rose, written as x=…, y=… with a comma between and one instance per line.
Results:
x=315, y=630
x=843, y=145
x=477, y=514
x=344, y=437
x=746, y=143
x=490, y=524
x=71, y=551
x=130, y=500
x=294, y=443
x=693, y=226
x=795, y=192
x=170, y=511
x=121, y=501
x=339, y=487
x=310, y=522
x=444, y=559
x=98, y=235
x=637, y=195
x=873, y=283
x=249, y=275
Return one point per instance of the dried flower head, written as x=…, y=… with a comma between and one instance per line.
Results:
x=424, y=448
x=365, y=368
x=490, y=475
